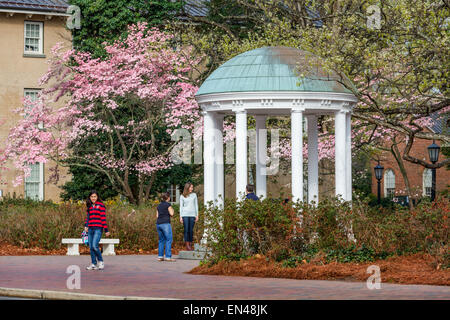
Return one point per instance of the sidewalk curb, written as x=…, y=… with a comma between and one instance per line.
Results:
x=62, y=295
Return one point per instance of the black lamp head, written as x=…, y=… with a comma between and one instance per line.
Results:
x=378, y=171
x=433, y=152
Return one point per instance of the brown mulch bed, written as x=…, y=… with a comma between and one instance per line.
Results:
x=7, y=249
x=413, y=269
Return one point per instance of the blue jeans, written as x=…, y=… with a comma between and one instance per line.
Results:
x=94, y=236
x=188, y=223
x=165, y=239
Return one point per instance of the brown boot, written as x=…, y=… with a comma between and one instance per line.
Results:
x=188, y=248
x=191, y=246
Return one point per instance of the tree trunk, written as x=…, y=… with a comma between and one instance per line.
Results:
x=396, y=153
x=149, y=186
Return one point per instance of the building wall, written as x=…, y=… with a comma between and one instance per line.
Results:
x=17, y=73
x=414, y=171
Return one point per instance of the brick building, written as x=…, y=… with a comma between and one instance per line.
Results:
x=393, y=184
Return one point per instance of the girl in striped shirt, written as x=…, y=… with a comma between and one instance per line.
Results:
x=95, y=223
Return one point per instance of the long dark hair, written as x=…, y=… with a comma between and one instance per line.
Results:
x=89, y=202
x=186, y=189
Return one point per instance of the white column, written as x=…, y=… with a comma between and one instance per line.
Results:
x=348, y=164
x=313, y=160
x=219, y=168
x=241, y=152
x=297, y=155
x=340, y=154
x=348, y=151
x=208, y=157
x=261, y=156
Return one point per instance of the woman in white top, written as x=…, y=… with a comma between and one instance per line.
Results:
x=188, y=213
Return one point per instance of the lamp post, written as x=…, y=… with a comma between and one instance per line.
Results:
x=433, y=153
x=379, y=175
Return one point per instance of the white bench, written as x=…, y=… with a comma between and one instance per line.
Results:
x=73, y=246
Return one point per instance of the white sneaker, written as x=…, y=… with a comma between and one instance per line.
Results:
x=92, y=267
x=101, y=265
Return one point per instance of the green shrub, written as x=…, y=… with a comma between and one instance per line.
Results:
x=286, y=233
x=293, y=232
x=244, y=228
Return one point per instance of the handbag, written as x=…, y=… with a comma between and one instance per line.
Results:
x=84, y=237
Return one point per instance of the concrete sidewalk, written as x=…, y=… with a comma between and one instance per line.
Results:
x=144, y=276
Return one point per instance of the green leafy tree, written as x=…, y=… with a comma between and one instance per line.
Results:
x=107, y=20
x=400, y=68
x=395, y=52
x=85, y=180
x=207, y=24
x=177, y=175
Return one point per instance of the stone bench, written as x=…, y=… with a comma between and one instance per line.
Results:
x=200, y=252
x=73, y=246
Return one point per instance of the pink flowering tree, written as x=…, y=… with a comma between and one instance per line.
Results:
x=115, y=112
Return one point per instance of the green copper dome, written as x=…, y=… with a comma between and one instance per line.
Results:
x=272, y=69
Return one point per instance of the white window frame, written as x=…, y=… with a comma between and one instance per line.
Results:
x=41, y=183
x=26, y=92
x=386, y=186
x=41, y=37
x=427, y=179
x=173, y=189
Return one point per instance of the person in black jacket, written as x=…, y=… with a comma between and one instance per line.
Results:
x=163, y=213
x=249, y=189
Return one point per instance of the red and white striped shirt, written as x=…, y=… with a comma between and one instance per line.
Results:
x=96, y=216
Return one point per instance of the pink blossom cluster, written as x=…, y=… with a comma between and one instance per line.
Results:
x=147, y=168
x=144, y=70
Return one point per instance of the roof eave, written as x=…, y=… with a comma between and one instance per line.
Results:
x=35, y=12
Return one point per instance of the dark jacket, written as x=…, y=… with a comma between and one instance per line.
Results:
x=252, y=196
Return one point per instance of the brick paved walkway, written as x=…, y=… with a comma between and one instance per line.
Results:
x=143, y=275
